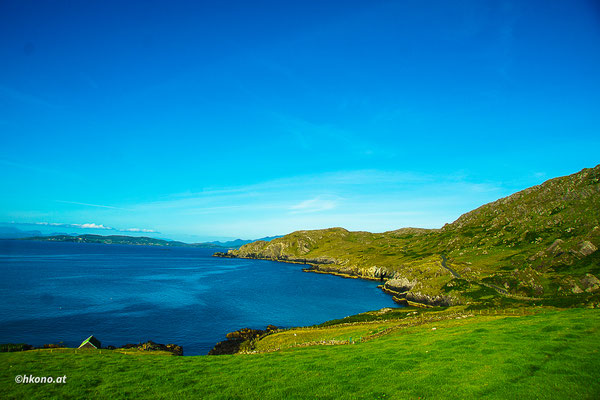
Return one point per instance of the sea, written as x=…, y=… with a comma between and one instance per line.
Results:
x=60, y=292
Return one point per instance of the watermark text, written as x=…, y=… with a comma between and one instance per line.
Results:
x=40, y=379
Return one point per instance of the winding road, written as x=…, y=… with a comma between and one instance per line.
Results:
x=490, y=285
x=453, y=272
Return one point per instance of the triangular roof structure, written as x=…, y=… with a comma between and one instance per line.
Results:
x=92, y=341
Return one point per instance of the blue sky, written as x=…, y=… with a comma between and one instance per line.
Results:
x=202, y=120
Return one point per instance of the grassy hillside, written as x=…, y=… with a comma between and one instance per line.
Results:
x=546, y=354
x=540, y=243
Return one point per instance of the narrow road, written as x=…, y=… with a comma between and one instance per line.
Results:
x=453, y=272
x=498, y=289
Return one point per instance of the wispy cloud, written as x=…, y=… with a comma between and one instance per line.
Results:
x=313, y=205
x=138, y=230
x=296, y=194
x=374, y=200
x=89, y=205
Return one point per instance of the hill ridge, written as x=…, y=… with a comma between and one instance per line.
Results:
x=538, y=243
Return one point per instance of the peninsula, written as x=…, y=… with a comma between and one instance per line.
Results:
x=538, y=245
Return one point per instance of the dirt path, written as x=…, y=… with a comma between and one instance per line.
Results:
x=498, y=289
x=453, y=272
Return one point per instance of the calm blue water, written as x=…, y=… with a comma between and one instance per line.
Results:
x=52, y=292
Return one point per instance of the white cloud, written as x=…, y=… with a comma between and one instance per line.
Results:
x=83, y=226
x=89, y=225
x=138, y=230
x=92, y=226
x=276, y=194
x=313, y=205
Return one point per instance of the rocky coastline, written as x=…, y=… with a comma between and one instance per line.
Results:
x=147, y=346
x=398, y=287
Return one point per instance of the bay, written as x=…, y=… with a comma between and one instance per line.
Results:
x=54, y=292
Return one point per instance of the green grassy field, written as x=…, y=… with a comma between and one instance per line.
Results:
x=550, y=354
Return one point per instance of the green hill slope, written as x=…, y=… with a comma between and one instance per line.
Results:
x=549, y=355
x=540, y=243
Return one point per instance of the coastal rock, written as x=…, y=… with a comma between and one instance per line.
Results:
x=152, y=346
x=175, y=349
x=399, y=284
x=322, y=260
x=377, y=272
x=226, y=347
x=54, y=346
x=12, y=347
x=439, y=300
x=239, y=339
x=224, y=255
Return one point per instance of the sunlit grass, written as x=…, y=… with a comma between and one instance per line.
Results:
x=552, y=354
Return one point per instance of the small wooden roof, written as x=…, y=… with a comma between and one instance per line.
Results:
x=91, y=340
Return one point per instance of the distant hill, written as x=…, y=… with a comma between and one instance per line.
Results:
x=540, y=243
x=9, y=232
x=240, y=242
x=114, y=239
x=135, y=240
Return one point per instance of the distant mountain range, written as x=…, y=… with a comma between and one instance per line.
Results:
x=240, y=242
x=8, y=232
x=120, y=239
